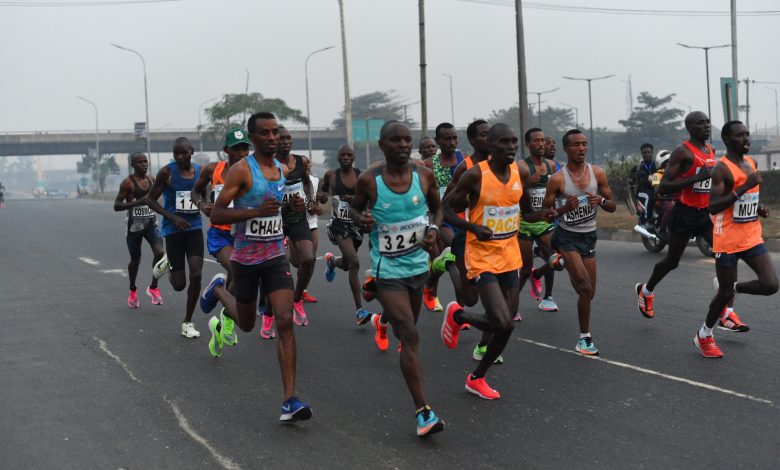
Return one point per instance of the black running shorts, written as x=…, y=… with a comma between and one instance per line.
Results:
x=298, y=231
x=339, y=229
x=690, y=221
x=413, y=284
x=272, y=275
x=183, y=245
x=582, y=243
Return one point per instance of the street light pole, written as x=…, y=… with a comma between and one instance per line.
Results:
x=97, y=127
x=423, y=65
x=539, y=101
x=706, y=50
x=777, y=120
x=246, y=97
x=347, y=99
x=576, y=113
x=521, y=78
x=406, y=119
x=146, y=104
x=452, y=100
x=200, y=126
x=306, y=74
x=684, y=104
x=592, y=143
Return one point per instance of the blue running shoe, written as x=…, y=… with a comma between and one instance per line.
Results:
x=330, y=269
x=362, y=316
x=428, y=422
x=295, y=410
x=586, y=347
x=207, y=299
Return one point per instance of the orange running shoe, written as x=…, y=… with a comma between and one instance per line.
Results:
x=731, y=322
x=645, y=302
x=480, y=388
x=309, y=299
x=707, y=346
x=380, y=337
x=449, y=329
x=431, y=301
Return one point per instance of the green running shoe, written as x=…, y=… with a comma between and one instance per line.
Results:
x=229, y=335
x=215, y=344
x=479, y=353
x=439, y=264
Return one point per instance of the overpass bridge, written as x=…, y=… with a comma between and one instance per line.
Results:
x=19, y=144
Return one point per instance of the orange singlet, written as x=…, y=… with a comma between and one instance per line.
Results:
x=217, y=182
x=737, y=228
x=469, y=163
x=498, y=208
x=698, y=195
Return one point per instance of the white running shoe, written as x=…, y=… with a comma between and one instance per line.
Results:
x=548, y=305
x=161, y=267
x=188, y=330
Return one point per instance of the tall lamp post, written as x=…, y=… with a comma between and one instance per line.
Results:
x=146, y=103
x=200, y=125
x=706, y=50
x=592, y=143
x=306, y=73
x=97, y=127
x=686, y=105
x=576, y=113
x=539, y=101
x=347, y=99
x=452, y=100
x=406, y=119
x=777, y=120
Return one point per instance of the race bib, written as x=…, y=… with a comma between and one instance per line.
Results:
x=143, y=212
x=537, y=197
x=501, y=220
x=184, y=204
x=341, y=209
x=401, y=238
x=584, y=212
x=441, y=192
x=702, y=186
x=264, y=229
x=217, y=188
x=746, y=208
x=290, y=190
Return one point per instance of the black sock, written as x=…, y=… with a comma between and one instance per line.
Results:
x=456, y=317
x=475, y=376
x=153, y=284
x=482, y=345
x=133, y=289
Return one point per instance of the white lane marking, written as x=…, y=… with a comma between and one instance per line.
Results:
x=225, y=462
x=91, y=261
x=121, y=272
x=643, y=370
x=210, y=260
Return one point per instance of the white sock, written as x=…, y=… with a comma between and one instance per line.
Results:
x=735, y=288
x=585, y=335
x=726, y=312
x=705, y=332
x=645, y=291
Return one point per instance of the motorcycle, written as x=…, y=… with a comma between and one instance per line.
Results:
x=654, y=239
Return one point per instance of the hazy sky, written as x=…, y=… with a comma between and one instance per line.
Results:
x=198, y=49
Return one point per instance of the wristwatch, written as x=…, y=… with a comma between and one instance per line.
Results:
x=432, y=227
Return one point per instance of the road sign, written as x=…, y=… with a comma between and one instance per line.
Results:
x=366, y=129
x=728, y=96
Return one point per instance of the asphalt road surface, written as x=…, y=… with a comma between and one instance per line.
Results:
x=88, y=383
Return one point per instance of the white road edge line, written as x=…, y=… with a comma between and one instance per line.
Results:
x=91, y=261
x=180, y=418
x=210, y=260
x=643, y=370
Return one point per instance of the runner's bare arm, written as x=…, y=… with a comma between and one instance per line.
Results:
x=154, y=194
x=307, y=189
x=198, y=192
x=603, y=198
x=428, y=183
x=721, y=196
x=679, y=162
x=125, y=194
x=457, y=200
x=324, y=190
x=365, y=197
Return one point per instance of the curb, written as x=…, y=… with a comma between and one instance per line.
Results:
x=773, y=244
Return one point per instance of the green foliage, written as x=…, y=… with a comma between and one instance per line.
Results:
x=555, y=121
x=652, y=121
x=617, y=175
x=232, y=109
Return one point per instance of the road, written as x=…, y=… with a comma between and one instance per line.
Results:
x=88, y=383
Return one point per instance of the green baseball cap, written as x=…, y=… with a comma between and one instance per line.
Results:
x=236, y=136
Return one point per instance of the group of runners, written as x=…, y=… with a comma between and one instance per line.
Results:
x=481, y=218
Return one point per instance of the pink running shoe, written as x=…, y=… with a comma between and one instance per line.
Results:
x=154, y=294
x=132, y=299
x=267, y=330
x=299, y=315
x=535, y=286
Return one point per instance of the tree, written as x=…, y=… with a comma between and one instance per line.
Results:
x=653, y=122
x=384, y=105
x=555, y=121
x=99, y=169
x=232, y=109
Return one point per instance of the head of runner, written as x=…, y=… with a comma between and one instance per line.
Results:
x=534, y=140
x=140, y=164
x=697, y=124
x=182, y=153
x=346, y=157
x=285, y=143
x=575, y=144
x=428, y=148
x=264, y=133
x=549, y=148
x=447, y=139
x=236, y=145
x=395, y=141
x=477, y=135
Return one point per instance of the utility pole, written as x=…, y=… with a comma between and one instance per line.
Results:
x=734, y=71
x=747, y=102
x=452, y=100
x=423, y=79
x=521, y=79
x=347, y=99
x=539, y=102
x=246, y=97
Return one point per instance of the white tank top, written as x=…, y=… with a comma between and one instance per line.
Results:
x=581, y=219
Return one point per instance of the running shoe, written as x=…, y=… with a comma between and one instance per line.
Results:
x=188, y=330
x=480, y=388
x=380, y=337
x=518, y=316
x=431, y=301
x=645, y=302
x=154, y=294
x=548, y=305
x=207, y=298
x=309, y=299
x=556, y=262
x=215, y=343
x=229, y=335
x=535, y=286
x=295, y=410
x=586, y=347
x=479, y=353
x=267, y=330
x=299, y=315
x=161, y=267
x=132, y=299
x=369, y=288
x=439, y=264
x=707, y=346
x=427, y=422
x=330, y=268
x=449, y=329
x=362, y=316
x=731, y=322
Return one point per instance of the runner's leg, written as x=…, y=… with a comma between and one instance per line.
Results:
x=677, y=244
x=348, y=261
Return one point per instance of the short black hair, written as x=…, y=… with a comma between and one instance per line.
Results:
x=183, y=142
x=565, y=138
x=444, y=125
x=529, y=132
x=134, y=155
x=423, y=140
x=725, y=131
x=251, y=124
x=471, y=131
x=387, y=125
x=646, y=145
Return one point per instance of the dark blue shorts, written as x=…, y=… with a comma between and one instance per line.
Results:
x=151, y=234
x=218, y=239
x=729, y=260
